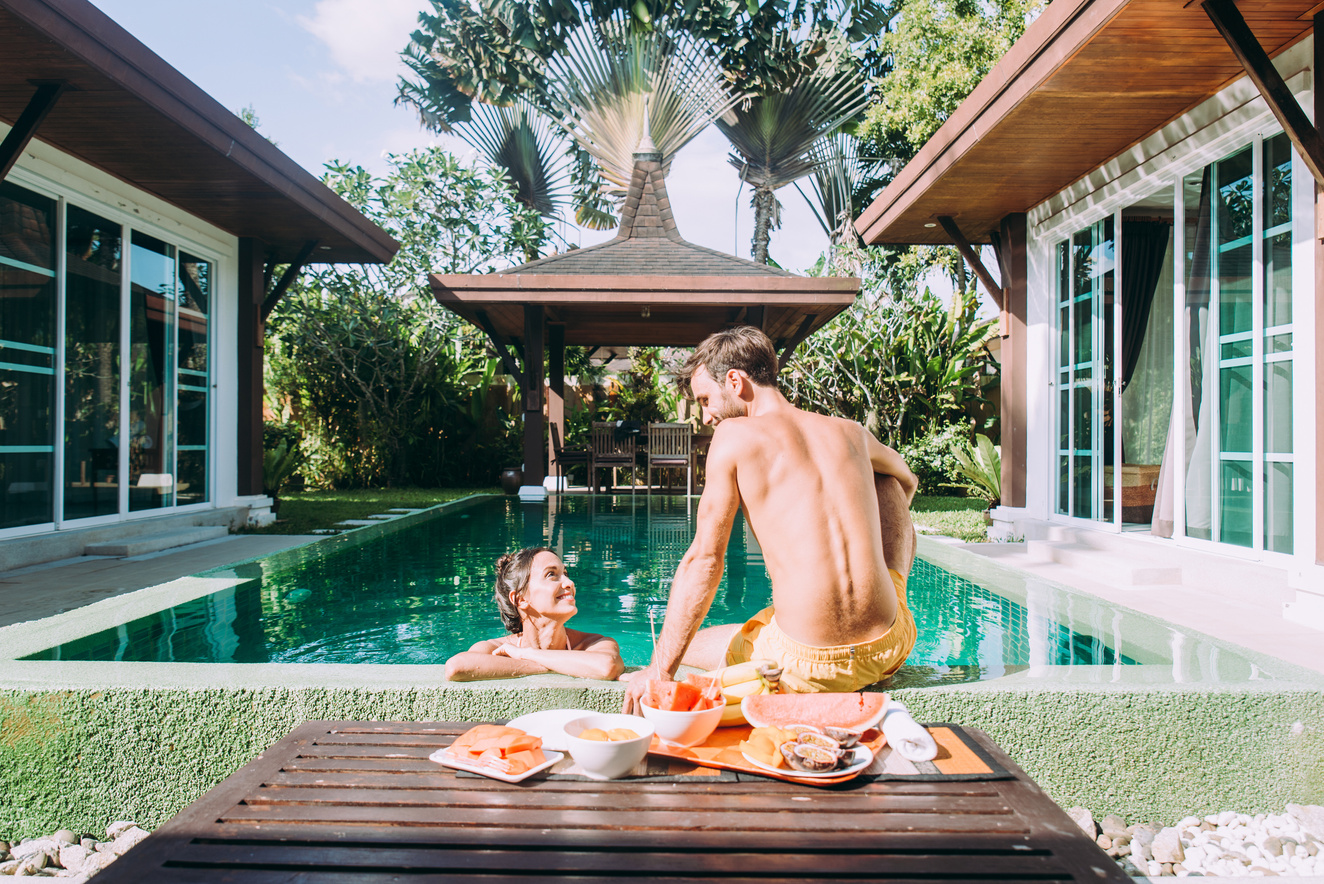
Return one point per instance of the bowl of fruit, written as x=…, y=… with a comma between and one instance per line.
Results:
x=684, y=713
x=607, y=745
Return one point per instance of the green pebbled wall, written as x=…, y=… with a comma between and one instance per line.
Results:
x=86, y=754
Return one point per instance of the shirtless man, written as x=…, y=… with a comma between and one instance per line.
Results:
x=820, y=494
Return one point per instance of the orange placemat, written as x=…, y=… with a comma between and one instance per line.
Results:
x=959, y=758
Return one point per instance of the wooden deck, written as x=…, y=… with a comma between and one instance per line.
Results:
x=347, y=801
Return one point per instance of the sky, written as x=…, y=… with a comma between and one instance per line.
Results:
x=321, y=75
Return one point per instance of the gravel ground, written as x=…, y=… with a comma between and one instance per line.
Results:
x=1225, y=845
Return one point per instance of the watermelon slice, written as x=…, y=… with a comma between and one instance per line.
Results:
x=855, y=711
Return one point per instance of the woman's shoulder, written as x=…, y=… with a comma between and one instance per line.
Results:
x=491, y=644
x=579, y=640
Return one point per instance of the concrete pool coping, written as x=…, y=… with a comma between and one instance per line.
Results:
x=126, y=740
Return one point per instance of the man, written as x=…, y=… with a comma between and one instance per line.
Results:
x=820, y=494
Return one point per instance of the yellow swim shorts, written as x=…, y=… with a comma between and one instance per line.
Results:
x=807, y=669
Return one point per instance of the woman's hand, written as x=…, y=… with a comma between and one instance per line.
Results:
x=511, y=650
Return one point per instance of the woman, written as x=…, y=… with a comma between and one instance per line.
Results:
x=536, y=598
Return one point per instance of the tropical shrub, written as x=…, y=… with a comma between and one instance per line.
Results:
x=980, y=464
x=385, y=384
x=900, y=366
x=932, y=458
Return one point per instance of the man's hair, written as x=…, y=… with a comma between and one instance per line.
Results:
x=743, y=347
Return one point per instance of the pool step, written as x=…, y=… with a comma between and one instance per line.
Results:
x=151, y=543
x=1132, y=570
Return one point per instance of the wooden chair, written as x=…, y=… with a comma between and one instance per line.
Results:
x=568, y=455
x=669, y=447
x=610, y=449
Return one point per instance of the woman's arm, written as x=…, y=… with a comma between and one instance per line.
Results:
x=483, y=661
x=594, y=656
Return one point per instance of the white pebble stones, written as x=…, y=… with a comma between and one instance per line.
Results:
x=1228, y=845
x=65, y=855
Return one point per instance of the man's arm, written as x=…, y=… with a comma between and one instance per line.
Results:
x=700, y=571
x=887, y=462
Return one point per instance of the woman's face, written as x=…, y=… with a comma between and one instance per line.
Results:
x=550, y=593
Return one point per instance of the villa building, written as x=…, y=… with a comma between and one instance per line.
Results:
x=140, y=227
x=1147, y=173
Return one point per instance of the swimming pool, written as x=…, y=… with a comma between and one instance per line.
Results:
x=421, y=593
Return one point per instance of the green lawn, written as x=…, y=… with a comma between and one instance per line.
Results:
x=304, y=511
x=959, y=517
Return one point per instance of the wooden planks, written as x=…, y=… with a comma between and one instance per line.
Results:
x=339, y=801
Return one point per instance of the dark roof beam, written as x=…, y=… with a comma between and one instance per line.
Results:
x=796, y=340
x=1304, y=136
x=48, y=91
x=507, y=361
x=971, y=258
x=287, y=278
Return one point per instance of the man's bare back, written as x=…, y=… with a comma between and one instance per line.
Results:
x=806, y=484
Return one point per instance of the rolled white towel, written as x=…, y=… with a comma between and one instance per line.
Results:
x=906, y=735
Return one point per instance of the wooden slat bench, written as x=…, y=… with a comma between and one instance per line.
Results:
x=360, y=801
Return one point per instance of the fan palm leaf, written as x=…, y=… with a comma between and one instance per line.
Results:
x=608, y=80
x=773, y=135
x=531, y=150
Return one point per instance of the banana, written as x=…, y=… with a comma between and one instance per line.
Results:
x=745, y=680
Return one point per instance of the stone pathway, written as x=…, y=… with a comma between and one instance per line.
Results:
x=44, y=590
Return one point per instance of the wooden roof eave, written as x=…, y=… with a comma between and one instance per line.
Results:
x=655, y=290
x=101, y=50
x=1017, y=139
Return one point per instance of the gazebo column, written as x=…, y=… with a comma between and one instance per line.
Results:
x=555, y=387
x=535, y=432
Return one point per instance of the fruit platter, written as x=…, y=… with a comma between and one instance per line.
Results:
x=817, y=739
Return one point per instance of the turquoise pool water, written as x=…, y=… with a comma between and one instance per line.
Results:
x=423, y=593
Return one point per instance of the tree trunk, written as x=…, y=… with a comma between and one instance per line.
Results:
x=763, y=197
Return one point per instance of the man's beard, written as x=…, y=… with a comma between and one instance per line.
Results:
x=727, y=406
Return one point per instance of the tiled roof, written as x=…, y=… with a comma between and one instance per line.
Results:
x=647, y=243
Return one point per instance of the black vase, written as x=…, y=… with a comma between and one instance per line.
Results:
x=511, y=480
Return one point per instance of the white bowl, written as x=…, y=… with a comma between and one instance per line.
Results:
x=601, y=760
x=683, y=728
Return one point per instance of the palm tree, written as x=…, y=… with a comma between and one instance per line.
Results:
x=609, y=81
x=774, y=135
x=842, y=182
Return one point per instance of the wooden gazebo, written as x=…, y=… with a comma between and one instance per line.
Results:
x=645, y=287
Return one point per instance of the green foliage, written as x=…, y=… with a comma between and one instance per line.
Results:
x=939, y=51
x=932, y=458
x=641, y=396
x=898, y=366
x=386, y=385
x=282, y=456
x=981, y=464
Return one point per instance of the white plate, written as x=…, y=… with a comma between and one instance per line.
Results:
x=442, y=757
x=550, y=725
x=863, y=758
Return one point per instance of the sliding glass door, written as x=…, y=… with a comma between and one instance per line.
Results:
x=105, y=367
x=1086, y=280
x=1239, y=450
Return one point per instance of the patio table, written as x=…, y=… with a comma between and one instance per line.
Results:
x=339, y=801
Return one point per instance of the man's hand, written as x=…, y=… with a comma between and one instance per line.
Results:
x=635, y=687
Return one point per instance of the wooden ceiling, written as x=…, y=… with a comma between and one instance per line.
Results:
x=135, y=117
x=1089, y=79
x=682, y=310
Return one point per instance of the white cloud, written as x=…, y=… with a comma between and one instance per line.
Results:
x=364, y=37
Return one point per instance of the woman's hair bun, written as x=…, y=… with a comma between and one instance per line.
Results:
x=503, y=563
